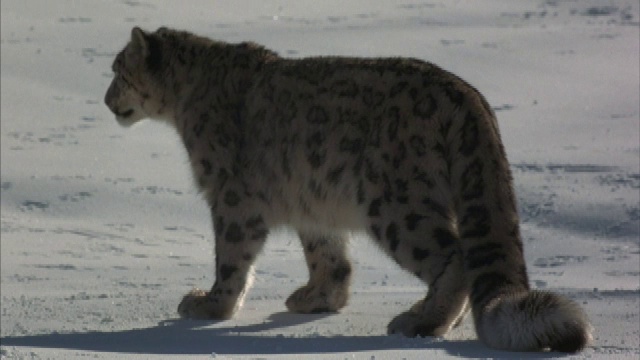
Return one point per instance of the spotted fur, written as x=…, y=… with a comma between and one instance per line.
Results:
x=396, y=148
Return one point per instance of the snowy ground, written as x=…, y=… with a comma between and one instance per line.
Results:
x=102, y=231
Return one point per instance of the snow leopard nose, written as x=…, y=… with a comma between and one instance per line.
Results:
x=110, y=98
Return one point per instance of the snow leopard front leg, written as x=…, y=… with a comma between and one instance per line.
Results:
x=329, y=275
x=239, y=238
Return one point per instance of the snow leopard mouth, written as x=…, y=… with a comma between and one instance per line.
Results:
x=125, y=114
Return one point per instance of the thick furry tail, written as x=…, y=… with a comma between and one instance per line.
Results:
x=507, y=314
x=533, y=321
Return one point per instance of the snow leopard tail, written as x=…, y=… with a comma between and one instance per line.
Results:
x=532, y=321
x=508, y=315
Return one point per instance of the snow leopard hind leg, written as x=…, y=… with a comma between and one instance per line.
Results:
x=429, y=250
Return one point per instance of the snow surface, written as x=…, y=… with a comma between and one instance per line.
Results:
x=102, y=231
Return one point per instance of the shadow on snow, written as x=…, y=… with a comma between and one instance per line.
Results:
x=189, y=337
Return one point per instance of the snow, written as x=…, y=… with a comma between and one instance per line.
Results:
x=102, y=231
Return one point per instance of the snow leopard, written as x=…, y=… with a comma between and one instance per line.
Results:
x=395, y=148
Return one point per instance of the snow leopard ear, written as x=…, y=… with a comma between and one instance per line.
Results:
x=145, y=49
x=138, y=48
